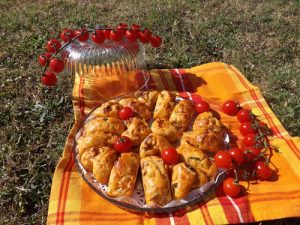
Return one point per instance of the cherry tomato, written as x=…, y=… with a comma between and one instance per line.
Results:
x=230, y=108
x=115, y=36
x=169, y=156
x=49, y=78
x=251, y=153
x=246, y=128
x=156, y=41
x=250, y=140
x=263, y=171
x=84, y=35
x=107, y=33
x=53, y=45
x=67, y=35
x=244, y=115
x=136, y=28
x=125, y=113
x=237, y=155
x=98, y=37
x=223, y=159
x=230, y=188
x=201, y=107
x=122, y=144
x=44, y=58
x=131, y=35
x=56, y=65
x=147, y=32
x=122, y=28
x=143, y=37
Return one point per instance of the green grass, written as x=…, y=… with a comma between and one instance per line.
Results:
x=261, y=38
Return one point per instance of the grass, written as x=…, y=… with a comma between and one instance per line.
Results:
x=261, y=38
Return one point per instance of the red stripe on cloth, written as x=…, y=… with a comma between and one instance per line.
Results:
x=163, y=220
x=176, y=80
x=244, y=206
x=140, y=78
x=164, y=80
x=188, y=84
x=151, y=83
x=180, y=217
x=268, y=117
x=205, y=214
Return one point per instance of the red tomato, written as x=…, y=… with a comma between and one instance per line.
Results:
x=125, y=113
x=246, y=128
x=122, y=144
x=115, y=36
x=122, y=28
x=230, y=108
x=84, y=35
x=237, y=155
x=56, y=65
x=131, y=35
x=44, y=58
x=98, y=37
x=223, y=159
x=136, y=28
x=169, y=156
x=67, y=35
x=251, y=153
x=49, y=78
x=156, y=41
x=250, y=140
x=230, y=188
x=107, y=33
x=143, y=37
x=263, y=171
x=244, y=115
x=53, y=45
x=201, y=107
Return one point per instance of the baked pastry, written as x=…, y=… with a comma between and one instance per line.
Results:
x=137, y=130
x=164, y=105
x=199, y=161
x=103, y=163
x=148, y=98
x=105, y=124
x=182, y=114
x=138, y=107
x=207, y=120
x=165, y=129
x=153, y=144
x=123, y=175
x=183, y=178
x=87, y=158
x=156, y=181
x=96, y=139
x=107, y=109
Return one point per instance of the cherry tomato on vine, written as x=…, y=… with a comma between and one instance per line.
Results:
x=67, y=35
x=231, y=188
x=115, y=36
x=84, y=35
x=122, y=28
x=250, y=140
x=223, y=159
x=143, y=37
x=201, y=107
x=147, y=32
x=49, y=78
x=246, y=128
x=107, y=33
x=251, y=153
x=125, y=113
x=56, y=65
x=123, y=144
x=98, y=37
x=169, y=156
x=237, y=155
x=156, y=41
x=230, y=108
x=244, y=115
x=136, y=28
x=44, y=58
x=53, y=45
x=131, y=35
x=263, y=171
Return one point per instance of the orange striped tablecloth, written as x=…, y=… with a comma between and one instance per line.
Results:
x=73, y=202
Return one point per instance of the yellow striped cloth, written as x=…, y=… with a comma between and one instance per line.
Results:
x=73, y=202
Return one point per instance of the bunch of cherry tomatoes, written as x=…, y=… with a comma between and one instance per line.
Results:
x=249, y=162
x=98, y=36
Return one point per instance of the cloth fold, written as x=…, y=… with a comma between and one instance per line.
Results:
x=73, y=202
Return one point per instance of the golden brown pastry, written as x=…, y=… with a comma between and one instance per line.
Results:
x=207, y=120
x=87, y=158
x=139, y=109
x=123, y=175
x=164, y=105
x=182, y=114
x=96, y=139
x=108, y=109
x=199, y=161
x=105, y=124
x=137, y=130
x=103, y=163
x=183, y=178
x=153, y=144
x=165, y=129
x=156, y=181
x=149, y=98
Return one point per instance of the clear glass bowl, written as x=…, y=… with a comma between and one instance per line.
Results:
x=108, y=70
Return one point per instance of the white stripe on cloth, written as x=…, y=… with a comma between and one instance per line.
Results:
x=172, y=221
x=237, y=209
x=181, y=80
